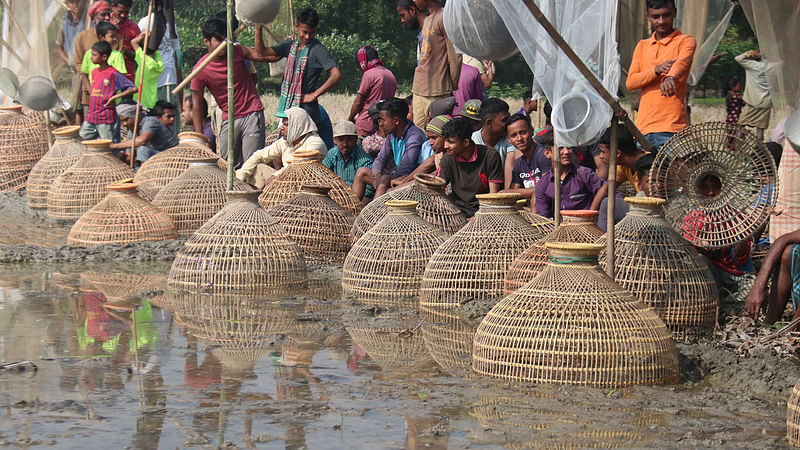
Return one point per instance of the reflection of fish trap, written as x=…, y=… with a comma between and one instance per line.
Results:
x=66, y=151
x=392, y=340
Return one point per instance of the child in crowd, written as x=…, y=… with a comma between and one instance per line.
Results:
x=534, y=157
x=186, y=119
x=581, y=188
x=154, y=65
x=105, y=33
x=733, y=101
x=400, y=152
x=108, y=85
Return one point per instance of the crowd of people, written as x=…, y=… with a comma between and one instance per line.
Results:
x=448, y=126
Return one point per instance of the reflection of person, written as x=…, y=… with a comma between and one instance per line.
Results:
x=782, y=265
x=660, y=68
x=756, y=96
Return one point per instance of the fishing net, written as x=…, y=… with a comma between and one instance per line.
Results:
x=433, y=206
x=574, y=325
x=476, y=29
x=66, y=151
x=25, y=24
x=23, y=141
x=662, y=270
x=723, y=157
x=472, y=264
x=793, y=417
x=83, y=185
x=386, y=264
x=196, y=195
x=257, y=12
x=578, y=226
x=318, y=224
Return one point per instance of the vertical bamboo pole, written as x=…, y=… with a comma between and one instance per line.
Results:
x=231, y=121
x=556, y=161
x=141, y=80
x=612, y=199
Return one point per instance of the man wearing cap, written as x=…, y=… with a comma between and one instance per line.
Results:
x=432, y=150
x=347, y=157
x=472, y=112
x=99, y=12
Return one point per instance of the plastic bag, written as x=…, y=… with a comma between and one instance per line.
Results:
x=257, y=12
x=476, y=29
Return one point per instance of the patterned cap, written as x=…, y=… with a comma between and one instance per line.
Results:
x=471, y=110
x=437, y=123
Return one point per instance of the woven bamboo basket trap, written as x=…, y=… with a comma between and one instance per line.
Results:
x=572, y=324
x=661, y=269
x=241, y=248
x=472, y=264
x=121, y=218
x=83, y=185
x=386, y=264
x=577, y=226
x=23, y=141
x=196, y=195
x=306, y=169
x=543, y=224
x=169, y=164
x=433, y=205
x=318, y=224
x=793, y=416
x=65, y=152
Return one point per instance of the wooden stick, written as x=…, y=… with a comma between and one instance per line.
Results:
x=231, y=106
x=612, y=200
x=587, y=74
x=205, y=62
x=13, y=52
x=555, y=157
x=141, y=81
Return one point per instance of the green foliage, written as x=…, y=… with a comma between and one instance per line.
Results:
x=738, y=38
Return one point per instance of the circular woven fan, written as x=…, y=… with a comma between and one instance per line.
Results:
x=318, y=224
x=433, y=205
x=572, y=324
x=662, y=270
x=23, y=141
x=196, y=195
x=386, y=264
x=793, y=417
x=83, y=185
x=306, y=169
x=169, y=164
x=121, y=218
x=66, y=151
x=472, y=264
x=578, y=226
x=719, y=183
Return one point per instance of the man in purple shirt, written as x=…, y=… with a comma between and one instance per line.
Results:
x=470, y=86
x=579, y=187
x=400, y=151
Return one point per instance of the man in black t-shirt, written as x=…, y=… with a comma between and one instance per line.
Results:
x=468, y=167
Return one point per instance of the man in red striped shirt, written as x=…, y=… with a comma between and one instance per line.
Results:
x=106, y=82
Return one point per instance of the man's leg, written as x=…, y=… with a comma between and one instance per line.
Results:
x=105, y=130
x=252, y=134
x=382, y=184
x=657, y=140
x=782, y=283
x=420, y=106
x=362, y=179
x=88, y=131
x=145, y=152
x=222, y=143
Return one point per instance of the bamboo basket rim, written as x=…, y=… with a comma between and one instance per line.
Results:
x=123, y=186
x=304, y=156
x=647, y=202
x=402, y=205
x=580, y=213
x=498, y=199
x=316, y=189
x=194, y=162
x=67, y=131
x=430, y=180
x=98, y=144
x=575, y=247
x=12, y=108
x=191, y=136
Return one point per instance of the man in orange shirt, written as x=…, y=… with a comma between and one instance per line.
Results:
x=660, y=68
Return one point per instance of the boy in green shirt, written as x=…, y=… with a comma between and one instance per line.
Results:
x=154, y=65
x=107, y=33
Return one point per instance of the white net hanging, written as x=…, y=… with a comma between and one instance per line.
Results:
x=25, y=47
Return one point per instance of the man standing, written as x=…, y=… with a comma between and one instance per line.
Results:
x=757, y=100
x=439, y=67
x=411, y=18
x=660, y=68
x=72, y=26
x=377, y=83
x=120, y=12
x=306, y=59
x=170, y=49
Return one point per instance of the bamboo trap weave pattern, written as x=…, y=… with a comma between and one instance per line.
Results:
x=662, y=270
x=793, y=417
x=386, y=264
x=65, y=152
x=542, y=224
x=169, y=164
x=83, y=185
x=196, y=195
x=241, y=248
x=318, y=224
x=731, y=156
x=472, y=264
x=121, y=218
x=433, y=206
x=448, y=338
x=393, y=340
x=572, y=324
x=577, y=226
x=23, y=141
x=123, y=286
x=306, y=169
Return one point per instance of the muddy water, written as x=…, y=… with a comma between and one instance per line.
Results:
x=161, y=369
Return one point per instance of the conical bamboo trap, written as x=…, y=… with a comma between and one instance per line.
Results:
x=306, y=169
x=434, y=206
x=241, y=248
x=542, y=224
x=23, y=141
x=577, y=226
x=158, y=171
x=662, y=270
x=196, y=195
x=65, y=152
x=472, y=264
x=793, y=416
x=121, y=218
x=572, y=324
x=83, y=185
x=393, y=340
x=318, y=224
x=386, y=264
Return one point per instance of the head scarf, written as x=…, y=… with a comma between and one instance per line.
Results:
x=102, y=5
x=300, y=125
x=437, y=123
x=362, y=59
x=126, y=110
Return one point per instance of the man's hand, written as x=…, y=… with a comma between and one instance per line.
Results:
x=668, y=87
x=116, y=21
x=755, y=301
x=664, y=67
x=308, y=98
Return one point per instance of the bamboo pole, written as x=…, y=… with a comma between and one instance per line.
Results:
x=612, y=200
x=16, y=24
x=555, y=157
x=205, y=62
x=587, y=74
x=231, y=107
x=141, y=80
